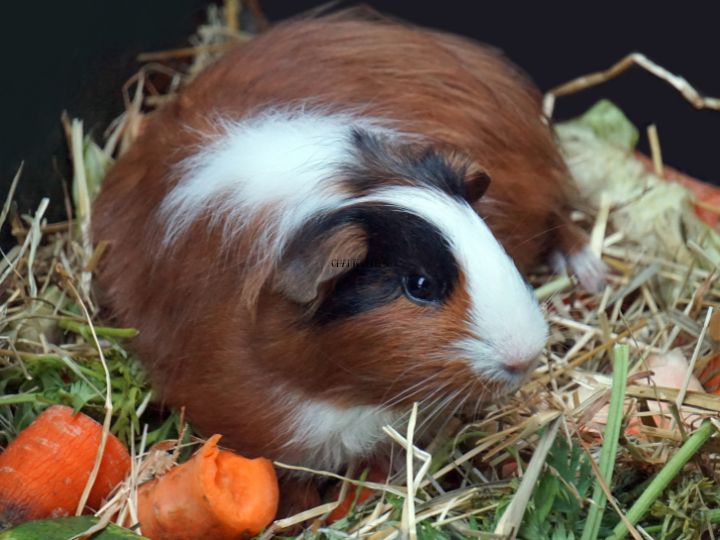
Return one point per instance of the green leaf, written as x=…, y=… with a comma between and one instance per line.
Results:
x=671, y=469
x=609, y=123
x=610, y=442
x=46, y=529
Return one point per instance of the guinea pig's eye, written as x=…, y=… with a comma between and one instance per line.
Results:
x=420, y=288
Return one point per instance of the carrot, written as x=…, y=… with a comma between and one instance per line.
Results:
x=353, y=498
x=356, y=496
x=43, y=472
x=216, y=494
x=710, y=376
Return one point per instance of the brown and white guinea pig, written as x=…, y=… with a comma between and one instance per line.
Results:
x=303, y=239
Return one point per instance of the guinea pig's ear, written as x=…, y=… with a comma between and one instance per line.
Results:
x=313, y=260
x=477, y=181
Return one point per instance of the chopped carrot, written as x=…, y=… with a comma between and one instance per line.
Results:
x=216, y=494
x=356, y=496
x=43, y=472
x=710, y=376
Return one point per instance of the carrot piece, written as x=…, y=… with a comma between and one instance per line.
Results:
x=710, y=376
x=354, y=497
x=216, y=494
x=343, y=509
x=43, y=472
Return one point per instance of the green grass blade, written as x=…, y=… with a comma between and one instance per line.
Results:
x=102, y=331
x=553, y=287
x=16, y=399
x=610, y=441
x=664, y=477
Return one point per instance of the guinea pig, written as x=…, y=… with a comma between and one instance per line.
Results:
x=330, y=223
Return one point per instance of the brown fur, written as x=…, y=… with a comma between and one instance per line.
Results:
x=304, y=274
x=224, y=348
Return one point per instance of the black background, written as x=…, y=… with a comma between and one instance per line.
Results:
x=76, y=55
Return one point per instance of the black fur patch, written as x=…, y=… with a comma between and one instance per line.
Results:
x=400, y=244
x=379, y=164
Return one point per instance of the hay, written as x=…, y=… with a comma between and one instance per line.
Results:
x=530, y=465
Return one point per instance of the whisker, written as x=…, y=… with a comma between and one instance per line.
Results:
x=437, y=396
x=443, y=405
x=402, y=395
x=464, y=393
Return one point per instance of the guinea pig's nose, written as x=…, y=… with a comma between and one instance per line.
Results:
x=518, y=365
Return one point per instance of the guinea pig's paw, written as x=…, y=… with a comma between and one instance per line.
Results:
x=558, y=262
x=589, y=269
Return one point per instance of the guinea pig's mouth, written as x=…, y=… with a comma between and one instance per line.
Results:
x=514, y=376
x=454, y=384
x=511, y=381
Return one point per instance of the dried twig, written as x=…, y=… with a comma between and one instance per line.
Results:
x=593, y=79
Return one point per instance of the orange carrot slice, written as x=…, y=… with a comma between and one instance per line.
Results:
x=710, y=376
x=353, y=497
x=43, y=472
x=343, y=509
x=216, y=494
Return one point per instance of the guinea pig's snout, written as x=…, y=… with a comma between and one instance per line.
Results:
x=518, y=364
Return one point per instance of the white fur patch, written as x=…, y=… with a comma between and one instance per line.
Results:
x=334, y=436
x=286, y=161
x=505, y=316
x=590, y=270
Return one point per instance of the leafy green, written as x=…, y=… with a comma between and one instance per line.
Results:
x=78, y=381
x=557, y=508
x=609, y=123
